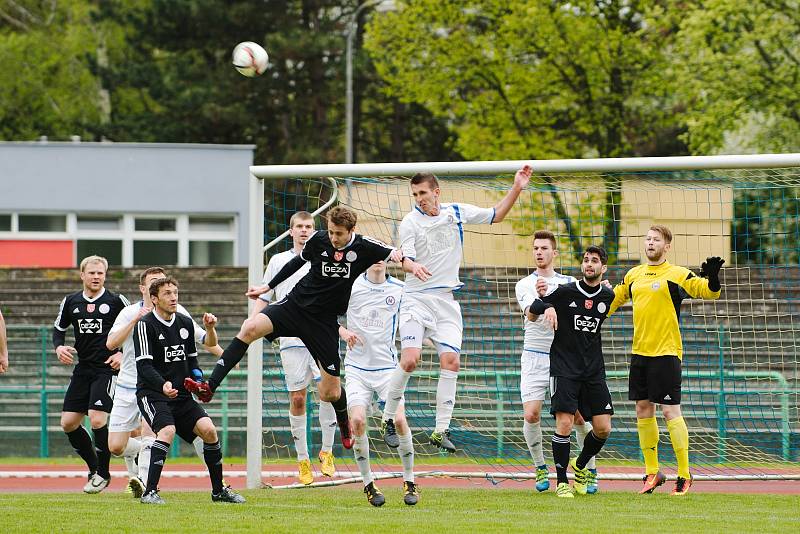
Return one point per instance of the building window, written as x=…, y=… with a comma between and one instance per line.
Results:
x=155, y=225
x=5, y=222
x=155, y=252
x=110, y=249
x=207, y=253
x=42, y=223
x=210, y=224
x=99, y=222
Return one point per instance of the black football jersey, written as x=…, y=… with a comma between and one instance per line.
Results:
x=577, y=350
x=165, y=351
x=326, y=288
x=91, y=320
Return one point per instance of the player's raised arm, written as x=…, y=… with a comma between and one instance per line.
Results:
x=708, y=286
x=521, y=180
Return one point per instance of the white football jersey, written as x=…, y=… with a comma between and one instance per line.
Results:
x=437, y=242
x=538, y=335
x=274, y=266
x=127, y=371
x=372, y=314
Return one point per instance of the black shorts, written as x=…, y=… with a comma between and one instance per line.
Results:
x=590, y=397
x=89, y=390
x=655, y=378
x=182, y=413
x=320, y=334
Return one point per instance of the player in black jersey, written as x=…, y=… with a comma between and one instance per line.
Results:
x=576, y=312
x=310, y=310
x=166, y=356
x=91, y=312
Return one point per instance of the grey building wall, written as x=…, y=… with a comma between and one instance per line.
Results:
x=128, y=178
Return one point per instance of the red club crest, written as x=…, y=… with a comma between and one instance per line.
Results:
x=338, y=255
x=90, y=308
x=588, y=304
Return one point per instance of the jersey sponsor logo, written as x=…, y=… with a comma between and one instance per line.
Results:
x=335, y=270
x=90, y=308
x=174, y=353
x=184, y=333
x=588, y=304
x=338, y=255
x=441, y=240
x=373, y=319
x=351, y=255
x=104, y=308
x=586, y=324
x=601, y=307
x=573, y=305
x=90, y=326
x=390, y=300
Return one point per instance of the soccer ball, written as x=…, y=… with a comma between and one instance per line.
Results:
x=250, y=59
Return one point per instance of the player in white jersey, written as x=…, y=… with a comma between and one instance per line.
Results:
x=124, y=423
x=371, y=358
x=299, y=367
x=432, y=234
x=535, y=369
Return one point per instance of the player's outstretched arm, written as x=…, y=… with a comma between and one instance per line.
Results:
x=521, y=180
x=709, y=286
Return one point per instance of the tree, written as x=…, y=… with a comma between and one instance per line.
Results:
x=536, y=80
x=740, y=72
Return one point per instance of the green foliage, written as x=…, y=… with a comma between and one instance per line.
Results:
x=739, y=69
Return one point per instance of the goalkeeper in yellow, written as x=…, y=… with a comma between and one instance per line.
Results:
x=657, y=289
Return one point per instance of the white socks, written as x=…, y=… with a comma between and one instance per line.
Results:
x=397, y=386
x=129, y=455
x=445, y=398
x=327, y=422
x=144, y=457
x=581, y=431
x=297, y=423
x=406, y=452
x=361, y=453
x=533, y=438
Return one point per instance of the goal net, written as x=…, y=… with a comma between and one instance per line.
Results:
x=741, y=370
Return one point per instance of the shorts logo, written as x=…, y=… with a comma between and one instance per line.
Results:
x=338, y=255
x=351, y=255
x=90, y=308
x=184, y=333
x=588, y=304
x=104, y=308
x=586, y=324
x=335, y=270
x=390, y=300
x=174, y=353
x=90, y=326
x=409, y=338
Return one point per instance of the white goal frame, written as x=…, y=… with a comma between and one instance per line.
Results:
x=259, y=173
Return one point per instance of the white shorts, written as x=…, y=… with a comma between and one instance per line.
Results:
x=124, y=411
x=361, y=385
x=436, y=316
x=534, y=379
x=299, y=368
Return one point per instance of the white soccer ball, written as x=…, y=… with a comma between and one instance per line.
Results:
x=250, y=59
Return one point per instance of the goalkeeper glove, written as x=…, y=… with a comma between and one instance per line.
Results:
x=710, y=269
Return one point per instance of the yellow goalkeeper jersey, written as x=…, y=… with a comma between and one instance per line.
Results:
x=657, y=292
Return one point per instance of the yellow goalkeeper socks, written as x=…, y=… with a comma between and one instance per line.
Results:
x=648, y=441
x=679, y=435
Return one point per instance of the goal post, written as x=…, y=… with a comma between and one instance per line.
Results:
x=741, y=370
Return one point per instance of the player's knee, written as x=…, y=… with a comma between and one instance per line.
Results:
x=359, y=424
x=408, y=364
x=329, y=394
x=297, y=401
x=250, y=330
x=207, y=432
x=98, y=419
x=450, y=361
x=116, y=446
x=166, y=434
x=69, y=424
x=602, y=431
x=533, y=416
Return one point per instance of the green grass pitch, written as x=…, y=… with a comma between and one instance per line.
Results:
x=440, y=510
